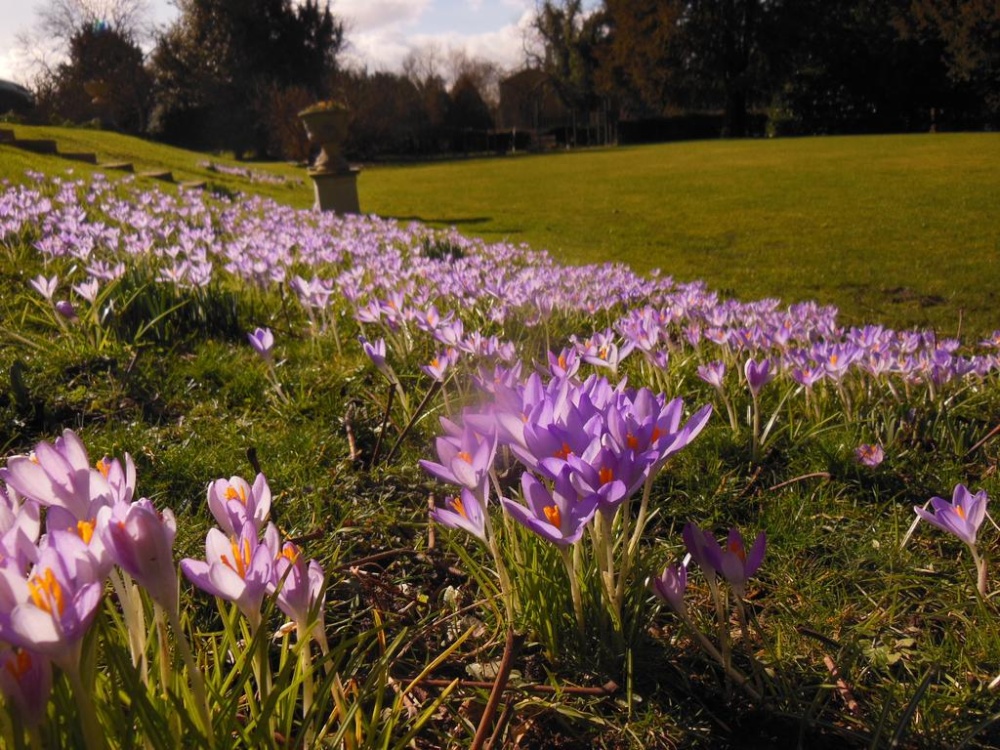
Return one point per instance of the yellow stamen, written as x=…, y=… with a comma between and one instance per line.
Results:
x=290, y=552
x=458, y=507
x=236, y=493
x=85, y=530
x=553, y=516
x=465, y=456
x=833, y=360
x=562, y=361
x=240, y=555
x=46, y=591
x=961, y=511
x=104, y=466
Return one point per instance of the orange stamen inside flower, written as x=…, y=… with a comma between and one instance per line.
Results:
x=603, y=352
x=435, y=363
x=632, y=441
x=657, y=434
x=553, y=516
x=833, y=359
x=46, y=592
x=104, y=467
x=737, y=549
x=465, y=456
x=606, y=475
x=562, y=361
x=20, y=664
x=236, y=493
x=241, y=555
x=961, y=511
x=564, y=452
x=290, y=553
x=85, y=530
x=458, y=507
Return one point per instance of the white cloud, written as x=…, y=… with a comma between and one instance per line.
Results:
x=370, y=15
x=384, y=46
x=505, y=46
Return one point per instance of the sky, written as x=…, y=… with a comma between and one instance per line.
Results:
x=380, y=33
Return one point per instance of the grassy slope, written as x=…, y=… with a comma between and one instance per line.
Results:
x=113, y=147
x=900, y=229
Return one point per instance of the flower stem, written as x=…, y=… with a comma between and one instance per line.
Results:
x=92, y=735
x=574, y=587
x=731, y=672
x=981, y=571
x=194, y=674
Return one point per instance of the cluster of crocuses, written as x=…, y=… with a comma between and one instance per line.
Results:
x=586, y=448
x=389, y=274
x=69, y=527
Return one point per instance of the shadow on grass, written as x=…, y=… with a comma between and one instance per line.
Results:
x=455, y=222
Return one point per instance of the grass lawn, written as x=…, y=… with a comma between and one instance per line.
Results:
x=897, y=229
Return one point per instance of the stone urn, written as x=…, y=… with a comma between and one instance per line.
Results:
x=334, y=180
x=326, y=126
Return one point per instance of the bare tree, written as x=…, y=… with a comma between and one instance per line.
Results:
x=60, y=19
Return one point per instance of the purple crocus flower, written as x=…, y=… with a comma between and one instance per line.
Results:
x=65, y=308
x=713, y=373
x=299, y=587
x=698, y=543
x=17, y=517
x=962, y=516
x=58, y=475
x=262, y=340
x=565, y=364
x=559, y=516
x=45, y=287
x=439, y=365
x=869, y=455
x=140, y=540
x=26, y=683
x=120, y=478
x=234, y=502
x=465, y=461
x=758, y=375
x=671, y=585
x=601, y=471
x=734, y=562
x=463, y=512
x=237, y=568
x=50, y=611
x=376, y=353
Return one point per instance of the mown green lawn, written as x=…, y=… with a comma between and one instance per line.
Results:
x=897, y=229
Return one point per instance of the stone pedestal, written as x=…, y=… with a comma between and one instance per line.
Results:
x=336, y=191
